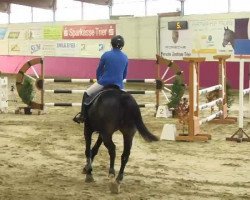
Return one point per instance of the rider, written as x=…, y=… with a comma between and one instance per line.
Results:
x=112, y=69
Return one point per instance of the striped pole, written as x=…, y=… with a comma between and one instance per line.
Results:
x=246, y=91
x=210, y=89
x=139, y=81
x=65, y=91
x=212, y=103
x=79, y=104
x=211, y=117
x=69, y=80
x=63, y=104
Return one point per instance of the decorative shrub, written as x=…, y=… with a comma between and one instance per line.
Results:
x=27, y=92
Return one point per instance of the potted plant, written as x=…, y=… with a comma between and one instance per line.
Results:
x=177, y=91
x=27, y=93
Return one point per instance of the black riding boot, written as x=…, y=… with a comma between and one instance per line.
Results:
x=80, y=117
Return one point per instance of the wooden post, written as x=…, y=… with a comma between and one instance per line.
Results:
x=194, y=133
x=157, y=79
x=224, y=119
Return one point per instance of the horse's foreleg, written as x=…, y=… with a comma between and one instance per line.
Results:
x=88, y=167
x=109, y=144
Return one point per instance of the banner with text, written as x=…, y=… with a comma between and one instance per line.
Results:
x=100, y=31
x=205, y=38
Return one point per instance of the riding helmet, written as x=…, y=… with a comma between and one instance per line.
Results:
x=117, y=42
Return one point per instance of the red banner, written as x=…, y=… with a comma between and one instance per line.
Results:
x=100, y=31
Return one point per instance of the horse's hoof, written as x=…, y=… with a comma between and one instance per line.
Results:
x=84, y=170
x=89, y=178
x=114, y=187
x=111, y=176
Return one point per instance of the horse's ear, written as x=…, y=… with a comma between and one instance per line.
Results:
x=227, y=27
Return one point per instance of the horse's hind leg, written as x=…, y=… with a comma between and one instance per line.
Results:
x=127, y=142
x=95, y=148
x=109, y=144
x=94, y=152
x=88, y=167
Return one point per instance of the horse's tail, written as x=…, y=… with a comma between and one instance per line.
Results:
x=134, y=112
x=142, y=129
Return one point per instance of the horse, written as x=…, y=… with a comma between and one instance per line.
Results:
x=111, y=111
x=229, y=37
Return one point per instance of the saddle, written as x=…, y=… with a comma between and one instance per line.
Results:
x=81, y=117
x=91, y=98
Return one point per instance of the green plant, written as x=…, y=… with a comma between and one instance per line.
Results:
x=27, y=92
x=177, y=91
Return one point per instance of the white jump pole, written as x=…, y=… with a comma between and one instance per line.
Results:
x=238, y=135
x=248, y=112
x=194, y=133
x=209, y=89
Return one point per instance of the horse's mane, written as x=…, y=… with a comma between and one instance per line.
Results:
x=227, y=29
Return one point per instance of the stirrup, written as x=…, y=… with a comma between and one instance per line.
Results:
x=79, y=118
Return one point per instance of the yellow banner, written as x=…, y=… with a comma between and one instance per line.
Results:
x=207, y=51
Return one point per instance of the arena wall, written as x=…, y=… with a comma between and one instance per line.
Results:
x=78, y=58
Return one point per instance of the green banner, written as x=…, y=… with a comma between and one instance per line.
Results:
x=52, y=32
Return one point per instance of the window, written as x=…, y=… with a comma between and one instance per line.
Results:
x=3, y=18
x=205, y=6
x=20, y=14
x=42, y=15
x=162, y=6
x=128, y=7
x=239, y=5
x=68, y=10
x=93, y=12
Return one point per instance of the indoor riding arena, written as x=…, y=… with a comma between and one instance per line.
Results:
x=188, y=72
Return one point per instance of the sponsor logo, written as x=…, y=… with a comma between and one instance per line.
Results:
x=34, y=48
x=13, y=35
x=101, y=31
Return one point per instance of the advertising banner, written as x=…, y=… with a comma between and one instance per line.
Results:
x=49, y=48
x=2, y=33
x=36, y=48
x=52, y=32
x=205, y=38
x=4, y=47
x=34, y=34
x=100, y=31
x=17, y=47
x=66, y=48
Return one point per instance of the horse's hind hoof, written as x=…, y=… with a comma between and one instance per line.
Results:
x=114, y=187
x=84, y=170
x=79, y=118
x=89, y=178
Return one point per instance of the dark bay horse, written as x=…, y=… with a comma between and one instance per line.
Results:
x=229, y=37
x=113, y=110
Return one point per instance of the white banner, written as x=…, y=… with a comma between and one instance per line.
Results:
x=205, y=35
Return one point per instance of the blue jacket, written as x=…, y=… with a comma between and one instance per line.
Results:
x=112, y=68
